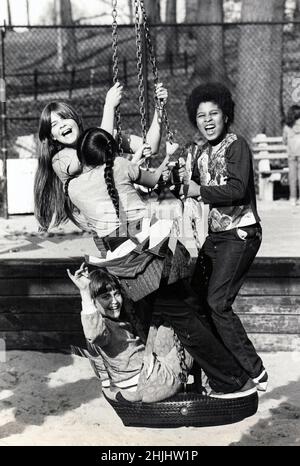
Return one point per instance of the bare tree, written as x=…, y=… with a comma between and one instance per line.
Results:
x=70, y=50
x=171, y=32
x=8, y=13
x=153, y=10
x=258, y=92
x=209, y=64
x=28, y=12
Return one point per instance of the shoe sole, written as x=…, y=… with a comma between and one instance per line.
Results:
x=233, y=396
x=262, y=386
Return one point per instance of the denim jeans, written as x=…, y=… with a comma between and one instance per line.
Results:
x=294, y=176
x=195, y=333
x=221, y=268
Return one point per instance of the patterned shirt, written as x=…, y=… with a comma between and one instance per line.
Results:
x=227, y=182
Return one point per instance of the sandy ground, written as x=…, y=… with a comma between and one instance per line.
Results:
x=54, y=399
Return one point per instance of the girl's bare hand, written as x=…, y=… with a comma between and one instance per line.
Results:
x=161, y=93
x=80, y=277
x=114, y=95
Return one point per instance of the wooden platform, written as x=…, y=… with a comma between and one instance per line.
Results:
x=40, y=307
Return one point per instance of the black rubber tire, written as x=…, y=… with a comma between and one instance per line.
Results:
x=185, y=409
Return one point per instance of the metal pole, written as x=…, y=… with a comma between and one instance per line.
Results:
x=3, y=122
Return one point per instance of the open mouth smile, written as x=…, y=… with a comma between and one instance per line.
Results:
x=66, y=132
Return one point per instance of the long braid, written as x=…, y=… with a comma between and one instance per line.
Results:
x=110, y=181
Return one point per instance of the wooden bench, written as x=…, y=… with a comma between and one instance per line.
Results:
x=271, y=154
x=40, y=307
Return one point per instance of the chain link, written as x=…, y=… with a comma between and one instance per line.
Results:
x=115, y=62
x=181, y=356
x=162, y=111
x=140, y=69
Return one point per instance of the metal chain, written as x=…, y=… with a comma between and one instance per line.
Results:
x=115, y=62
x=139, y=58
x=181, y=356
x=161, y=108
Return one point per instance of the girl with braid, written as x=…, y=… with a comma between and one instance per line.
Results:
x=59, y=129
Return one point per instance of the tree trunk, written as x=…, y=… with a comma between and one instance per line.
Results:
x=172, y=47
x=8, y=13
x=28, y=12
x=152, y=8
x=209, y=64
x=258, y=92
x=71, y=42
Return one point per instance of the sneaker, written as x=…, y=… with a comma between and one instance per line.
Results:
x=261, y=381
x=248, y=389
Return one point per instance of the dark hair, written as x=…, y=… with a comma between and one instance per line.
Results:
x=49, y=196
x=293, y=114
x=97, y=147
x=101, y=282
x=211, y=92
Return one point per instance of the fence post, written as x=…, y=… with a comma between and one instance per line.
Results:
x=35, y=79
x=72, y=80
x=3, y=121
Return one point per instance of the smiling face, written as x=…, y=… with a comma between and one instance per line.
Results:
x=210, y=120
x=64, y=130
x=110, y=303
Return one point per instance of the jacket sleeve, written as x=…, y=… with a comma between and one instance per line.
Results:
x=95, y=328
x=238, y=158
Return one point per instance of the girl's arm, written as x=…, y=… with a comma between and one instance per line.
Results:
x=150, y=179
x=112, y=100
x=154, y=132
x=93, y=323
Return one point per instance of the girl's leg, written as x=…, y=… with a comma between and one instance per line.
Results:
x=230, y=258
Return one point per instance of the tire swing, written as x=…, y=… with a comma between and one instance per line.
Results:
x=187, y=408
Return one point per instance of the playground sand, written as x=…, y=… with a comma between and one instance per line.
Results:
x=55, y=399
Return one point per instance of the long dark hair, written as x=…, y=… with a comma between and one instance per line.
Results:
x=49, y=197
x=97, y=147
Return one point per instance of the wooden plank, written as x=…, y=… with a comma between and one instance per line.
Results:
x=41, y=341
x=275, y=267
x=40, y=322
x=282, y=305
x=275, y=342
x=35, y=286
x=271, y=287
x=262, y=323
x=45, y=304
x=270, y=155
x=24, y=268
x=269, y=305
x=54, y=268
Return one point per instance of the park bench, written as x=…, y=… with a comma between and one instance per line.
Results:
x=271, y=155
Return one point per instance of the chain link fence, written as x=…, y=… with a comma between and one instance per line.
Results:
x=74, y=64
